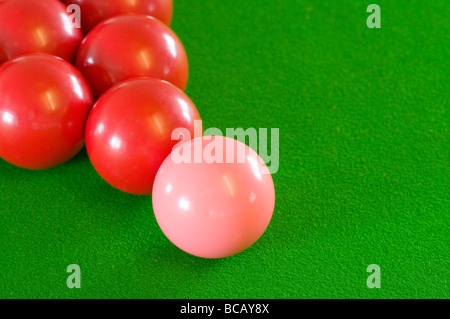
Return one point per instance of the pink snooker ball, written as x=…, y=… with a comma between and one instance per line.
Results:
x=213, y=197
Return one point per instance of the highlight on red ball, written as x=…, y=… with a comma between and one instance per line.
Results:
x=29, y=26
x=128, y=133
x=44, y=105
x=129, y=46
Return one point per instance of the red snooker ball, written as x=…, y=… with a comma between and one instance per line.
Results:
x=44, y=105
x=96, y=11
x=129, y=131
x=131, y=46
x=29, y=26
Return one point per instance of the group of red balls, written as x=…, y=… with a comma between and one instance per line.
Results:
x=116, y=85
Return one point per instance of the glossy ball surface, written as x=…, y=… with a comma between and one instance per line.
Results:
x=213, y=209
x=128, y=134
x=29, y=26
x=96, y=11
x=131, y=46
x=44, y=106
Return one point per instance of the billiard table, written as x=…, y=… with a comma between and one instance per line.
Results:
x=363, y=177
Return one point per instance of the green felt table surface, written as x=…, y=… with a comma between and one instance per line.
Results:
x=364, y=164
